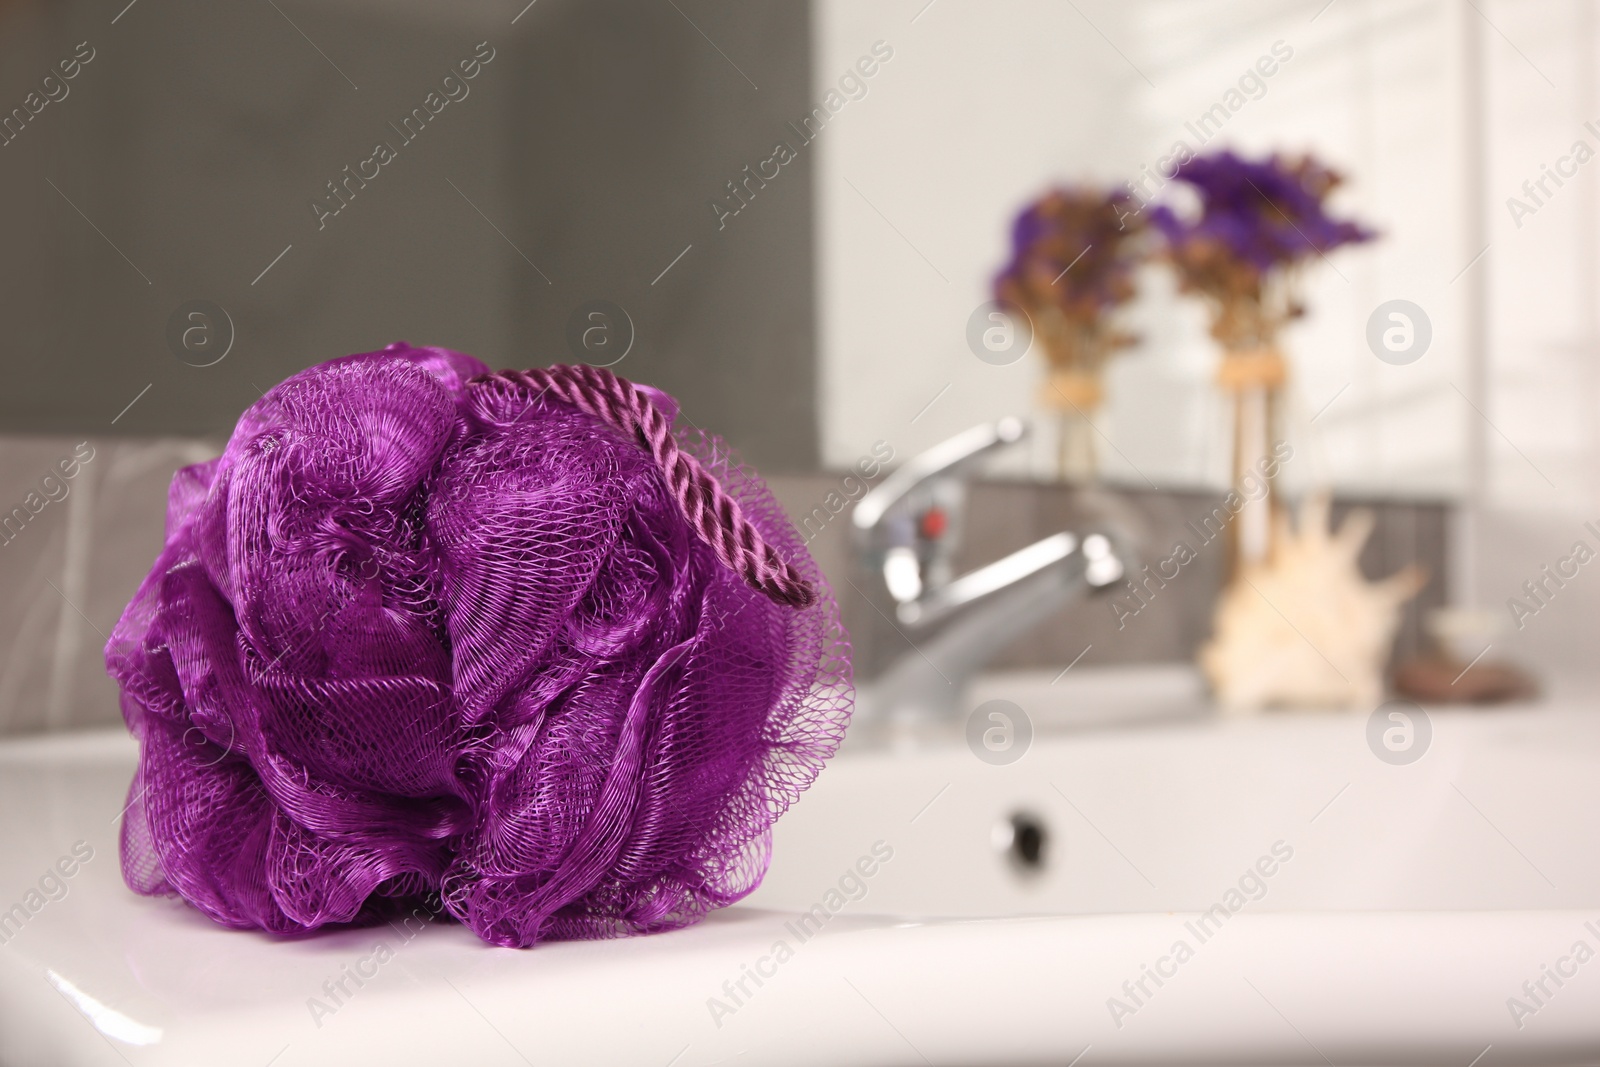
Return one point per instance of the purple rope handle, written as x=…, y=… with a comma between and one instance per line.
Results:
x=713, y=514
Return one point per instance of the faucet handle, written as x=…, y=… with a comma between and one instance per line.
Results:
x=946, y=459
x=908, y=527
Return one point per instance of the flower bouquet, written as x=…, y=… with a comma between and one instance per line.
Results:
x=1073, y=256
x=1258, y=223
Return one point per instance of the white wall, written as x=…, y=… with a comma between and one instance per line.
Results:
x=1541, y=437
x=984, y=105
x=917, y=184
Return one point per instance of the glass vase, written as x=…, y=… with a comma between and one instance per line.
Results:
x=1254, y=379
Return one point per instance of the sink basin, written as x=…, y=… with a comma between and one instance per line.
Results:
x=1166, y=817
x=1176, y=889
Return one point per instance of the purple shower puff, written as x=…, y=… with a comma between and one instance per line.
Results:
x=424, y=637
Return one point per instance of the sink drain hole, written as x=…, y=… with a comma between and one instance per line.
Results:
x=1024, y=840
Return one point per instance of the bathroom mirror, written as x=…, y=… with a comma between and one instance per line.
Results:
x=217, y=197
x=984, y=107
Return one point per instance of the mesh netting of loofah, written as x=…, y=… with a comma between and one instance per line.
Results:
x=423, y=634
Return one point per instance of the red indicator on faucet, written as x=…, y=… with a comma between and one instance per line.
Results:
x=932, y=524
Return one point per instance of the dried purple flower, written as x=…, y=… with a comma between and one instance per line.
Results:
x=1074, y=252
x=1258, y=220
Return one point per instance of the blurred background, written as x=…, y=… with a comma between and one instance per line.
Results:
x=786, y=213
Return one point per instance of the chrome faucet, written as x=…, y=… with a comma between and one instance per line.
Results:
x=907, y=530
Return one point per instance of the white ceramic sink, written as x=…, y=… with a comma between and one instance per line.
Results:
x=1385, y=914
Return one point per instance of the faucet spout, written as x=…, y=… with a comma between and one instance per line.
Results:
x=991, y=607
x=907, y=530
x=1101, y=567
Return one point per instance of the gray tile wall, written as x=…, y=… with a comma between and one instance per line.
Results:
x=66, y=573
x=1003, y=516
